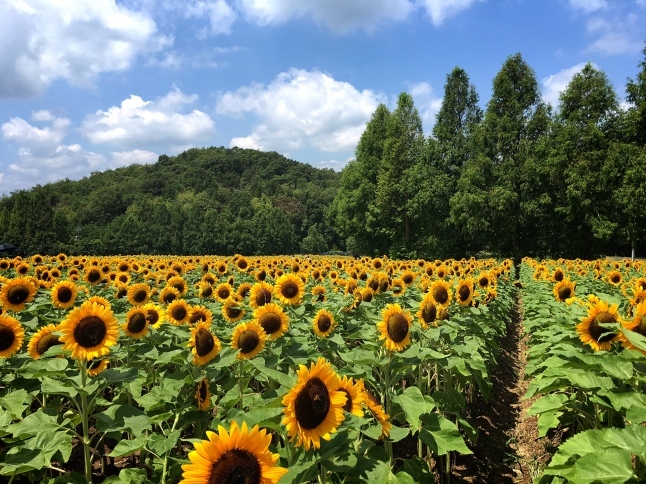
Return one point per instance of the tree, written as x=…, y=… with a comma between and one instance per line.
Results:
x=313, y=243
x=636, y=96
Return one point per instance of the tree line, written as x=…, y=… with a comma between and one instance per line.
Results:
x=519, y=178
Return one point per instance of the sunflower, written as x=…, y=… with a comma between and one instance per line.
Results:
x=231, y=310
x=96, y=366
x=558, y=275
x=101, y=301
x=16, y=293
x=314, y=406
x=614, y=278
x=323, y=323
x=564, y=290
x=378, y=411
x=319, y=293
x=200, y=314
x=239, y=456
x=168, y=295
x=398, y=287
x=89, y=331
x=43, y=340
x=441, y=292
x=273, y=320
x=223, y=292
x=289, y=289
x=64, y=294
x=93, y=276
x=464, y=292
x=249, y=339
x=260, y=294
x=12, y=335
x=138, y=294
x=638, y=325
x=244, y=289
x=205, y=346
x=484, y=279
x=591, y=329
x=155, y=315
x=178, y=283
x=354, y=395
x=136, y=325
x=203, y=395
x=205, y=290
x=178, y=312
x=427, y=313
x=395, y=327
x=242, y=263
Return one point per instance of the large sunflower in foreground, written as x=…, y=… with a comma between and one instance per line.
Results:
x=592, y=329
x=64, y=294
x=89, y=331
x=204, y=345
x=249, y=339
x=12, y=335
x=289, y=289
x=238, y=456
x=273, y=320
x=314, y=407
x=43, y=340
x=394, y=327
x=17, y=292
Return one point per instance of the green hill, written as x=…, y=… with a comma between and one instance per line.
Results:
x=202, y=201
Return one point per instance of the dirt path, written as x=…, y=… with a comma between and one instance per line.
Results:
x=507, y=450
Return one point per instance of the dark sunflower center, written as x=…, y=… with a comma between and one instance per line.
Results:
x=600, y=334
x=323, y=323
x=46, y=342
x=236, y=466
x=270, y=322
x=152, y=316
x=7, y=337
x=263, y=297
x=397, y=289
x=440, y=294
x=204, y=342
x=320, y=297
x=197, y=316
x=93, y=276
x=204, y=389
x=558, y=276
x=444, y=315
x=233, y=312
x=224, y=293
x=207, y=291
x=615, y=278
x=483, y=282
x=137, y=323
x=262, y=275
x=242, y=264
x=94, y=364
x=605, y=317
x=90, y=331
x=64, y=294
x=179, y=313
x=367, y=296
x=373, y=284
x=408, y=279
x=564, y=293
x=464, y=293
x=348, y=401
x=397, y=327
x=18, y=294
x=383, y=286
x=289, y=289
x=312, y=404
x=140, y=295
x=429, y=313
x=179, y=286
x=244, y=291
x=248, y=341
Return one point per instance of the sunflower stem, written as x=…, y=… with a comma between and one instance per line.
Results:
x=387, y=383
x=165, y=465
x=85, y=423
x=240, y=390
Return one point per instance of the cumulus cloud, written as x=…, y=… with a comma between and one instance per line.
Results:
x=426, y=102
x=554, y=84
x=75, y=41
x=139, y=157
x=615, y=35
x=588, y=6
x=137, y=123
x=440, y=10
x=301, y=109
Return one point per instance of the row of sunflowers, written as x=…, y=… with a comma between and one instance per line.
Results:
x=587, y=365
x=271, y=369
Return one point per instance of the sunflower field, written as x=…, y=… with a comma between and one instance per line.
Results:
x=309, y=369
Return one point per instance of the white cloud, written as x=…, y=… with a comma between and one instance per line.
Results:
x=140, y=157
x=426, y=103
x=588, y=6
x=615, y=34
x=75, y=41
x=301, y=109
x=554, y=84
x=137, y=123
x=440, y=10
x=221, y=16
x=337, y=15
x=42, y=115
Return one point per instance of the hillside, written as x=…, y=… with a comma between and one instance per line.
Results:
x=209, y=200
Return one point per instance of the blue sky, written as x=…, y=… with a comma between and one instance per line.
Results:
x=90, y=85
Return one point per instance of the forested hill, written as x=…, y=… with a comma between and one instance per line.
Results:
x=202, y=201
